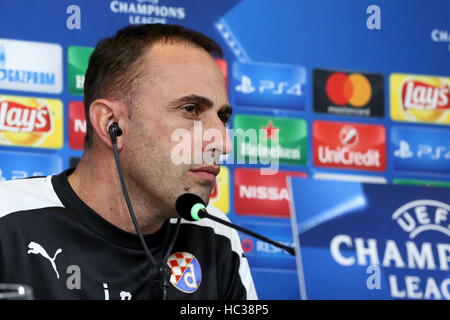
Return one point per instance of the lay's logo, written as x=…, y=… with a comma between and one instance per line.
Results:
x=420, y=98
x=31, y=122
x=15, y=117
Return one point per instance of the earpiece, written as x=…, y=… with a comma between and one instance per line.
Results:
x=114, y=132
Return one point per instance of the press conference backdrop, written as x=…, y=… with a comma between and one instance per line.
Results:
x=355, y=90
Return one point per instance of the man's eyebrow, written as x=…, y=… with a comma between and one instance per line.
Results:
x=194, y=98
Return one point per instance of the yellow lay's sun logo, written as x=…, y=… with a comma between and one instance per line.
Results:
x=420, y=98
x=31, y=122
x=220, y=196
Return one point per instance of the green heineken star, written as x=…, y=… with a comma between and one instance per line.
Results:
x=78, y=59
x=262, y=140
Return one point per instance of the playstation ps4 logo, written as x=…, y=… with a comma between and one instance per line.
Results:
x=245, y=86
x=404, y=150
x=269, y=85
x=276, y=88
x=423, y=151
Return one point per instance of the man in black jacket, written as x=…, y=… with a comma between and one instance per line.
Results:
x=70, y=236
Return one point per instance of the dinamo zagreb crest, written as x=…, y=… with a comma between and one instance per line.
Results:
x=185, y=271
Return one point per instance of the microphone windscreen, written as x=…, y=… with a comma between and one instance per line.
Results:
x=185, y=203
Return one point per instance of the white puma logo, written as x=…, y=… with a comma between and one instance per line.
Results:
x=36, y=248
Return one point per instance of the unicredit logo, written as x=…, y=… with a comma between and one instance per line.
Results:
x=356, y=146
x=353, y=89
x=349, y=136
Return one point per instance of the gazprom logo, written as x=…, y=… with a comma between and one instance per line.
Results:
x=30, y=66
x=423, y=215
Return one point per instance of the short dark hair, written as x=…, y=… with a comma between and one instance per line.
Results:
x=113, y=70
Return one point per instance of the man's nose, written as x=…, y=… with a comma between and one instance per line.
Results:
x=216, y=137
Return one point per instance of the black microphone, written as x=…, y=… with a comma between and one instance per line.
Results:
x=192, y=208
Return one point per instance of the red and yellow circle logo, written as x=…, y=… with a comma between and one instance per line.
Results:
x=353, y=89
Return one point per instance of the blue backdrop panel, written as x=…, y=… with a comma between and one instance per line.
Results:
x=369, y=241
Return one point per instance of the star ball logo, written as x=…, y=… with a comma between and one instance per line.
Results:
x=417, y=98
x=349, y=145
x=348, y=93
x=423, y=215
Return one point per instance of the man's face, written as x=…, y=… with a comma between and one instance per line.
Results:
x=184, y=93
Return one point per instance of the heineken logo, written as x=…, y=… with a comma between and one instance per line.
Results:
x=261, y=139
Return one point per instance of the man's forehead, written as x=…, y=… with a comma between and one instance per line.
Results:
x=183, y=65
x=176, y=70
x=177, y=53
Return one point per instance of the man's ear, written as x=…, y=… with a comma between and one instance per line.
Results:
x=102, y=113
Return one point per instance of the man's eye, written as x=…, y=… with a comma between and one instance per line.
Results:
x=190, y=109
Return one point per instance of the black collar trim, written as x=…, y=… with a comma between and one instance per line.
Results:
x=82, y=212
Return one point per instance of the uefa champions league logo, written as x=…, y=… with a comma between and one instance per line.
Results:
x=423, y=215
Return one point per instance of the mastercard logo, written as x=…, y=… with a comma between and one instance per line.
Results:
x=348, y=89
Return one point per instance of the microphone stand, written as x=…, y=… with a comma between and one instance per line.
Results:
x=204, y=214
